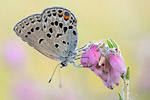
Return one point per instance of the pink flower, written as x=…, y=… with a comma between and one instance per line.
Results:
x=14, y=54
x=105, y=62
x=91, y=57
x=115, y=76
x=109, y=84
x=117, y=63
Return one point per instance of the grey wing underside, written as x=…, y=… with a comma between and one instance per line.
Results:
x=69, y=37
x=54, y=41
x=30, y=30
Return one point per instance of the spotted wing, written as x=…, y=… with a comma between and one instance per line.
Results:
x=30, y=30
x=59, y=25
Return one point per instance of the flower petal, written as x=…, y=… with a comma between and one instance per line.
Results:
x=117, y=63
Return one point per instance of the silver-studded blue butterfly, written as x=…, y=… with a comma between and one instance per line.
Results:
x=53, y=33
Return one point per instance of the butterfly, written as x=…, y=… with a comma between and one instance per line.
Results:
x=53, y=33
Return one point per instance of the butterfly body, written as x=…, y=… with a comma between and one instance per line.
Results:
x=53, y=33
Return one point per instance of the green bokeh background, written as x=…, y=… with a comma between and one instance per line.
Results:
x=126, y=21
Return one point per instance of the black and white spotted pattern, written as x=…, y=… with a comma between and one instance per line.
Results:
x=53, y=32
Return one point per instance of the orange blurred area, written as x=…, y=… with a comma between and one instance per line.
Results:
x=26, y=77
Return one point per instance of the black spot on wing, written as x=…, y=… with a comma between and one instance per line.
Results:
x=58, y=35
x=64, y=42
x=53, y=10
x=60, y=11
x=56, y=23
x=33, y=21
x=60, y=15
x=22, y=27
x=60, y=25
x=51, y=30
x=48, y=11
x=26, y=36
x=65, y=29
x=39, y=20
x=49, y=15
x=29, y=32
x=32, y=29
x=54, y=14
x=74, y=32
x=40, y=41
x=52, y=23
x=19, y=31
x=37, y=28
x=56, y=45
x=27, y=24
x=45, y=20
x=44, y=26
x=70, y=27
x=48, y=35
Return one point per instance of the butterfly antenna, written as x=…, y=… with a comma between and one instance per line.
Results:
x=53, y=73
x=60, y=84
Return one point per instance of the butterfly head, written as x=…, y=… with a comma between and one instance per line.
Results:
x=64, y=64
x=69, y=59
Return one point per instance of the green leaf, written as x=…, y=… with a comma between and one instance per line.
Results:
x=114, y=44
x=128, y=73
x=109, y=44
x=120, y=98
x=122, y=76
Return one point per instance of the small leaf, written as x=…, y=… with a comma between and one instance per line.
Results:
x=128, y=73
x=114, y=44
x=120, y=98
x=122, y=76
x=109, y=44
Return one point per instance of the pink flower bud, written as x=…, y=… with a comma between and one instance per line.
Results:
x=115, y=76
x=117, y=63
x=109, y=84
x=91, y=57
x=85, y=59
x=97, y=71
x=104, y=76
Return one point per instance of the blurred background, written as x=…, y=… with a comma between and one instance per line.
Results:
x=25, y=76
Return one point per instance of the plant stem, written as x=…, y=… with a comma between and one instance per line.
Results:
x=124, y=88
x=128, y=90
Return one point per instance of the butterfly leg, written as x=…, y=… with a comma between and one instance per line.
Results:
x=84, y=47
x=80, y=58
x=79, y=66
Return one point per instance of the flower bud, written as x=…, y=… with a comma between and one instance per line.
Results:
x=96, y=70
x=115, y=76
x=109, y=84
x=117, y=63
x=91, y=57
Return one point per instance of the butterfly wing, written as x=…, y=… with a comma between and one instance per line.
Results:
x=30, y=30
x=59, y=25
